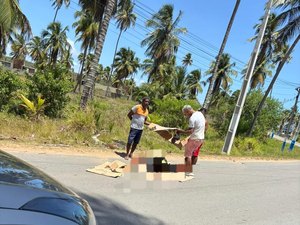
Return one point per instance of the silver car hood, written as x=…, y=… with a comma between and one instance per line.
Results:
x=16, y=171
x=15, y=196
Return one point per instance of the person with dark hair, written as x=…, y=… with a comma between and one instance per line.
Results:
x=138, y=116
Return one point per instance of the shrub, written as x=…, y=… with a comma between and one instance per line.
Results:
x=167, y=112
x=247, y=147
x=10, y=84
x=53, y=84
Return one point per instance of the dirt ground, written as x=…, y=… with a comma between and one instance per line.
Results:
x=104, y=152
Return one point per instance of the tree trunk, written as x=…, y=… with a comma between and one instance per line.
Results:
x=209, y=93
x=79, y=80
x=91, y=76
x=112, y=65
x=56, y=11
x=280, y=66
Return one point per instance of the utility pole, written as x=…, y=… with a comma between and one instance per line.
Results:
x=241, y=100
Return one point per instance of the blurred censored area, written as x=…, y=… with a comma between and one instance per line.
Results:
x=152, y=166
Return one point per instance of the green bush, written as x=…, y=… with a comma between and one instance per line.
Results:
x=10, y=84
x=247, y=147
x=53, y=84
x=269, y=118
x=82, y=121
x=168, y=112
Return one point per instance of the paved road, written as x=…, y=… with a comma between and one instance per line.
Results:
x=223, y=193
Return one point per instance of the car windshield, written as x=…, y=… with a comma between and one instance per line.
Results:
x=16, y=171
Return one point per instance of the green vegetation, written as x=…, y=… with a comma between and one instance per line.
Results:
x=107, y=117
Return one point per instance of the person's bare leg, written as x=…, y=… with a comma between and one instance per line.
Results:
x=194, y=160
x=188, y=164
x=133, y=147
x=127, y=150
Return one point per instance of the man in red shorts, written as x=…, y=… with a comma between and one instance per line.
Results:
x=196, y=152
x=196, y=131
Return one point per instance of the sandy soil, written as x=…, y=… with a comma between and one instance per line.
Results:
x=104, y=152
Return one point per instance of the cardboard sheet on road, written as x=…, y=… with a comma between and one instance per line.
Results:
x=109, y=169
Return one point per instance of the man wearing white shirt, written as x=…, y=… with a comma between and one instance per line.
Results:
x=196, y=131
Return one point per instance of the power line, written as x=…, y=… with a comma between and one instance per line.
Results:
x=190, y=42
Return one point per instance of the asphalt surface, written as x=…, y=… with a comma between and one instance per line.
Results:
x=223, y=192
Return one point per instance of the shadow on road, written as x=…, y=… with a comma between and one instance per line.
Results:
x=121, y=154
x=111, y=213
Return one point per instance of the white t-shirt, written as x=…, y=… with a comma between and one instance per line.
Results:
x=197, y=122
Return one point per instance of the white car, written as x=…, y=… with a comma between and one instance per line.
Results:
x=29, y=196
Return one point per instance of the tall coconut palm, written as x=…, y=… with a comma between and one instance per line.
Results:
x=179, y=87
x=269, y=48
x=58, y=4
x=224, y=73
x=67, y=58
x=290, y=31
x=36, y=49
x=86, y=29
x=55, y=38
x=194, y=84
x=19, y=51
x=103, y=73
x=12, y=18
x=105, y=10
x=125, y=19
x=187, y=60
x=213, y=79
x=163, y=41
x=126, y=64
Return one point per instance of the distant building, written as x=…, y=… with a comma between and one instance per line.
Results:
x=17, y=65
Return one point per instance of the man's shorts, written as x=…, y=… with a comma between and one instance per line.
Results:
x=191, y=146
x=196, y=152
x=134, y=136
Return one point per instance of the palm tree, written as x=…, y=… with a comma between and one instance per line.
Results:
x=288, y=32
x=125, y=19
x=36, y=49
x=55, y=38
x=19, y=51
x=212, y=84
x=163, y=41
x=105, y=10
x=12, y=18
x=67, y=58
x=86, y=29
x=179, y=87
x=103, y=73
x=224, y=72
x=126, y=64
x=58, y=4
x=187, y=60
x=194, y=84
x=267, y=54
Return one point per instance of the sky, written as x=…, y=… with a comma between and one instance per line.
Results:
x=206, y=23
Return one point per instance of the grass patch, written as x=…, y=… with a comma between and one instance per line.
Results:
x=108, y=118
